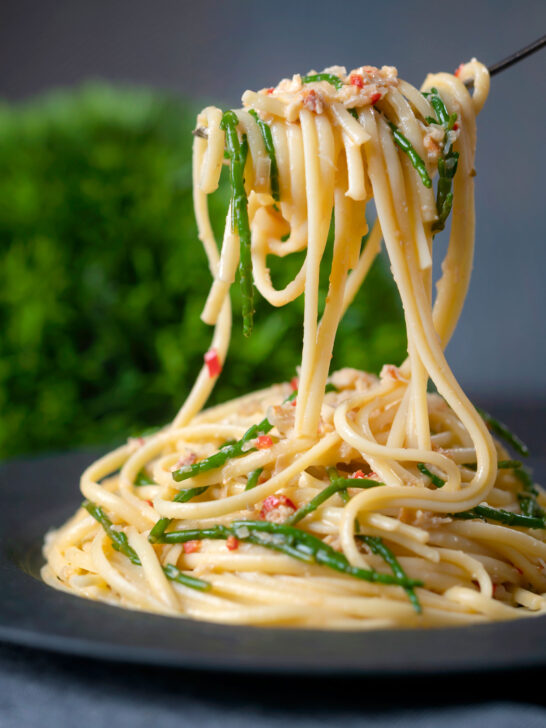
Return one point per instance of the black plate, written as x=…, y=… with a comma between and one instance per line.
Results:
x=41, y=493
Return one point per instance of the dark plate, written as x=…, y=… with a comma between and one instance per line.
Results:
x=41, y=493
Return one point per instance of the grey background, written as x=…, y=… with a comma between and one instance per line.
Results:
x=217, y=49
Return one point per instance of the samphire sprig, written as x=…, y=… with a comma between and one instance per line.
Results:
x=435, y=479
x=292, y=542
x=447, y=163
x=120, y=543
x=532, y=515
x=337, y=484
x=501, y=516
x=233, y=449
x=329, y=77
x=380, y=548
x=183, y=496
x=239, y=201
x=528, y=499
x=406, y=146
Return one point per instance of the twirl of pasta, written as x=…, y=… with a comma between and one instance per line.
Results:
x=341, y=500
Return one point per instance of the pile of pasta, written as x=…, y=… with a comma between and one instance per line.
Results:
x=343, y=500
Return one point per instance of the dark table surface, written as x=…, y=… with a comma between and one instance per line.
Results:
x=39, y=689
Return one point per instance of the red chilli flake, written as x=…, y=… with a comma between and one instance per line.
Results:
x=375, y=98
x=294, y=383
x=458, y=70
x=232, y=543
x=191, y=547
x=264, y=442
x=359, y=474
x=455, y=126
x=356, y=80
x=269, y=90
x=272, y=502
x=213, y=363
x=149, y=502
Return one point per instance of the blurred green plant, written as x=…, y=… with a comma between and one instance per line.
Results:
x=102, y=278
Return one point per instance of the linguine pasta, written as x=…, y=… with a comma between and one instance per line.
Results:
x=342, y=501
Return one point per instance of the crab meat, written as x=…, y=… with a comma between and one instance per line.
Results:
x=282, y=417
x=313, y=101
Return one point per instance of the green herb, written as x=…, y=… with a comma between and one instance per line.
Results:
x=444, y=196
x=503, y=432
x=334, y=478
x=530, y=507
x=143, y=478
x=509, y=464
x=183, y=496
x=253, y=478
x=436, y=480
x=444, y=118
x=501, y=465
x=502, y=516
x=174, y=574
x=229, y=451
x=407, y=147
x=118, y=538
x=330, y=388
x=330, y=77
x=196, y=534
x=244, y=150
x=353, y=112
x=159, y=529
x=240, y=214
x=337, y=485
x=447, y=164
x=234, y=449
x=528, y=499
x=378, y=547
x=524, y=475
x=292, y=542
x=227, y=442
x=121, y=544
x=270, y=149
x=226, y=453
